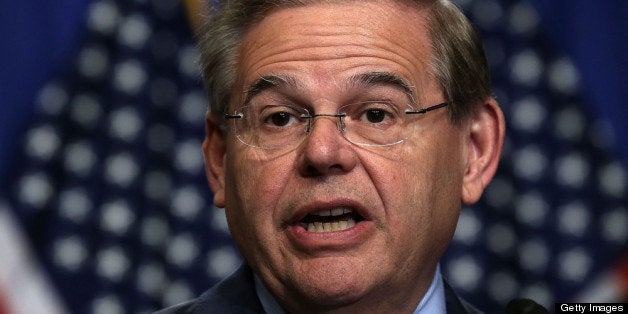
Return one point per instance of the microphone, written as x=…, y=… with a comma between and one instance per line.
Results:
x=524, y=306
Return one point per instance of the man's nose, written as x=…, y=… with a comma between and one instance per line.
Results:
x=325, y=150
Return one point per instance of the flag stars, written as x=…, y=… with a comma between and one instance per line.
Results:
x=70, y=253
x=79, y=158
x=103, y=17
x=125, y=124
x=502, y=286
x=573, y=265
x=43, y=142
x=540, y=293
x=193, y=108
x=468, y=228
x=501, y=239
x=86, y=110
x=35, y=190
x=107, y=304
x=487, y=13
x=75, y=205
x=98, y=174
x=151, y=278
x=531, y=209
x=527, y=68
x=112, y=263
x=569, y=124
x=134, y=31
x=52, y=98
x=187, y=202
x=573, y=219
x=534, y=256
x=182, y=250
x=121, y=169
x=222, y=262
x=464, y=272
x=572, y=170
x=612, y=179
x=129, y=77
x=614, y=225
x=177, y=292
x=154, y=232
x=189, y=157
x=523, y=19
x=116, y=217
x=528, y=114
x=563, y=76
x=189, y=62
x=530, y=163
x=93, y=62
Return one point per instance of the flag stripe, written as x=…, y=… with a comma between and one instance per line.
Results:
x=25, y=288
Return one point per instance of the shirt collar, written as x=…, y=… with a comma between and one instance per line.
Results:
x=433, y=301
x=269, y=303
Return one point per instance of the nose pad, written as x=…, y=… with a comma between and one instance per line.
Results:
x=340, y=123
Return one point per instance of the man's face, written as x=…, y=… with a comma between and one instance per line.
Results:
x=404, y=199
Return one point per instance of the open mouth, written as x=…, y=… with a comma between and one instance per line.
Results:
x=330, y=220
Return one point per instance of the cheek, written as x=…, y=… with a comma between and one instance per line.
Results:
x=421, y=187
x=255, y=182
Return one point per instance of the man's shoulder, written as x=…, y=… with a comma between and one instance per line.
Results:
x=455, y=304
x=235, y=294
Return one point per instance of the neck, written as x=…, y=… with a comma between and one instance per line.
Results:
x=390, y=297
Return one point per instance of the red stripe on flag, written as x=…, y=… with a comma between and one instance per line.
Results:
x=4, y=307
x=622, y=271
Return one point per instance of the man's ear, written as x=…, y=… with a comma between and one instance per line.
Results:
x=214, y=152
x=485, y=138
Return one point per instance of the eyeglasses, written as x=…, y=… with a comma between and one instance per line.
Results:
x=371, y=123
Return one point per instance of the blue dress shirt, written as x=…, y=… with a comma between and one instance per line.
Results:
x=432, y=302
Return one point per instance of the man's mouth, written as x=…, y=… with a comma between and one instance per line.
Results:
x=330, y=220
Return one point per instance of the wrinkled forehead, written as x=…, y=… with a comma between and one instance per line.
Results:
x=391, y=18
x=335, y=40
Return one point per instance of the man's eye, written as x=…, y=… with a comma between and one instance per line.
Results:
x=375, y=115
x=281, y=119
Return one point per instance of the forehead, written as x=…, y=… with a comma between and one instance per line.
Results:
x=325, y=42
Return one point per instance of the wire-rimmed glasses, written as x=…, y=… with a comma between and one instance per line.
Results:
x=370, y=123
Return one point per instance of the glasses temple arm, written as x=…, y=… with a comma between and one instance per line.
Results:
x=424, y=110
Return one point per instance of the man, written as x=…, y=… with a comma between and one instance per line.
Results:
x=342, y=140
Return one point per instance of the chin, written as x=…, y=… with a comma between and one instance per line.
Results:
x=328, y=296
x=332, y=287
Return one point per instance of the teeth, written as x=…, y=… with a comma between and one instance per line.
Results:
x=340, y=223
x=324, y=213
x=333, y=212
x=330, y=226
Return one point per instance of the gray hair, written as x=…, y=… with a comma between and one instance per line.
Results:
x=459, y=63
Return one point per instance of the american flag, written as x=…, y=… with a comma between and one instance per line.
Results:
x=105, y=208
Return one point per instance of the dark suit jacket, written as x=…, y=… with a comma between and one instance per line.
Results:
x=236, y=294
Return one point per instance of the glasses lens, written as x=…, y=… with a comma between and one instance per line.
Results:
x=375, y=123
x=271, y=126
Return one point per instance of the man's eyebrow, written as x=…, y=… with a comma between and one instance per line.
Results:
x=385, y=78
x=267, y=82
